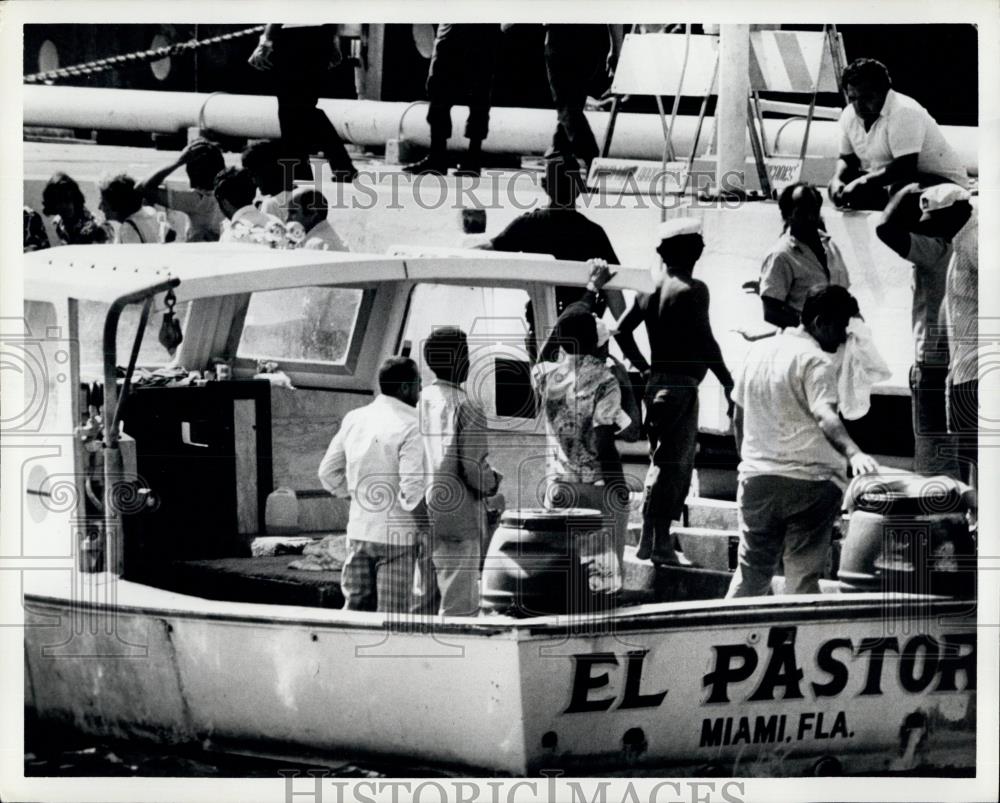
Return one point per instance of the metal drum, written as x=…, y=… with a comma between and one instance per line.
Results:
x=908, y=534
x=544, y=562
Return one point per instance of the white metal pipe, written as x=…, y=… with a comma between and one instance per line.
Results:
x=373, y=123
x=734, y=89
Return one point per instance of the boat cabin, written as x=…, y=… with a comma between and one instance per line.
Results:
x=289, y=341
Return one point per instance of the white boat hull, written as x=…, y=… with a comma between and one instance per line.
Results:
x=778, y=688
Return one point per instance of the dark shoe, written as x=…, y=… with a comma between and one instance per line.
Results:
x=468, y=169
x=428, y=166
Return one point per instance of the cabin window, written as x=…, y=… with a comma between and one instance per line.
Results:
x=317, y=326
x=151, y=354
x=494, y=319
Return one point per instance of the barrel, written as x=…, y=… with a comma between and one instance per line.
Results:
x=542, y=562
x=908, y=533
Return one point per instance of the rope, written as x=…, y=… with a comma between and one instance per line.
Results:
x=139, y=57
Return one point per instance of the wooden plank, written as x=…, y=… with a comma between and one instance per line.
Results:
x=245, y=436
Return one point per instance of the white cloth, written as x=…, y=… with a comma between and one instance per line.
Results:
x=903, y=127
x=276, y=205
x=323, y=237
x=377, y=459
x=783, y=382
x=245, y=220
x=861, y=368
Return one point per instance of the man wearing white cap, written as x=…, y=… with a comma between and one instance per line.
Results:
x=961, y=311
x=928, y=245
x=682, y=350
x=887, y=139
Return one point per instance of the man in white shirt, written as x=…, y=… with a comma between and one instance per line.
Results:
x=927, y=244
x=234, y=191
x=456, y=440
x=794, y=450
x=377, y=460
x=887, y=140
x=309, y=208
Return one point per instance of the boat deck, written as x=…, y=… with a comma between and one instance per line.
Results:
x=266, y=580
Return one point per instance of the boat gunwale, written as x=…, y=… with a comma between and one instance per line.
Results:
x=816, y=608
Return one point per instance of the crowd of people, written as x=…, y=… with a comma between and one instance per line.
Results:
x=257, y=202
x=420, y=445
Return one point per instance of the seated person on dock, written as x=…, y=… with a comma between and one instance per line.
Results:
x=63, y=202
x=308, y=208
x=887, y=140
x=581, y=402
x=683, y=349
x=274, y=178
x=234, y=192
x=803, y=257
x=121, y=202
x=377, y=460
x=794, y=449
x=202, y=160
x=455, y=437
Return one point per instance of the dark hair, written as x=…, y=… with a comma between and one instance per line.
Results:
x=577, y=333
x=263, y=160
x=866, y=71
x=120, y=195
x=831, y=302
x=786, y=198
x=311, y=201
x=235, y=185
x=260, y=155
x=681, y=248
x=562, y=180
x=396, y=372
x=205, y=163
x=446, y=352
x=58, y=187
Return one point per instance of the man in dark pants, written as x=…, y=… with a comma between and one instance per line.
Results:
x=461, y=69
x=300, y=57
x=576, y=59
x=682, y=350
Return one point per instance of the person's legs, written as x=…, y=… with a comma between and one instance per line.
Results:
x=456, y=565
x=295, y=113
x=672, y=405
x=394, y=573
x=481, y=50
x=357, y=578
x=760, y=504
x=813, y=508
x=934, y=448
x=570, y=60
x=963, y=423
x=445, y=70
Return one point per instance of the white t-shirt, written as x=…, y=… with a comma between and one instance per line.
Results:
x=784, y=380
x=903, y=127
